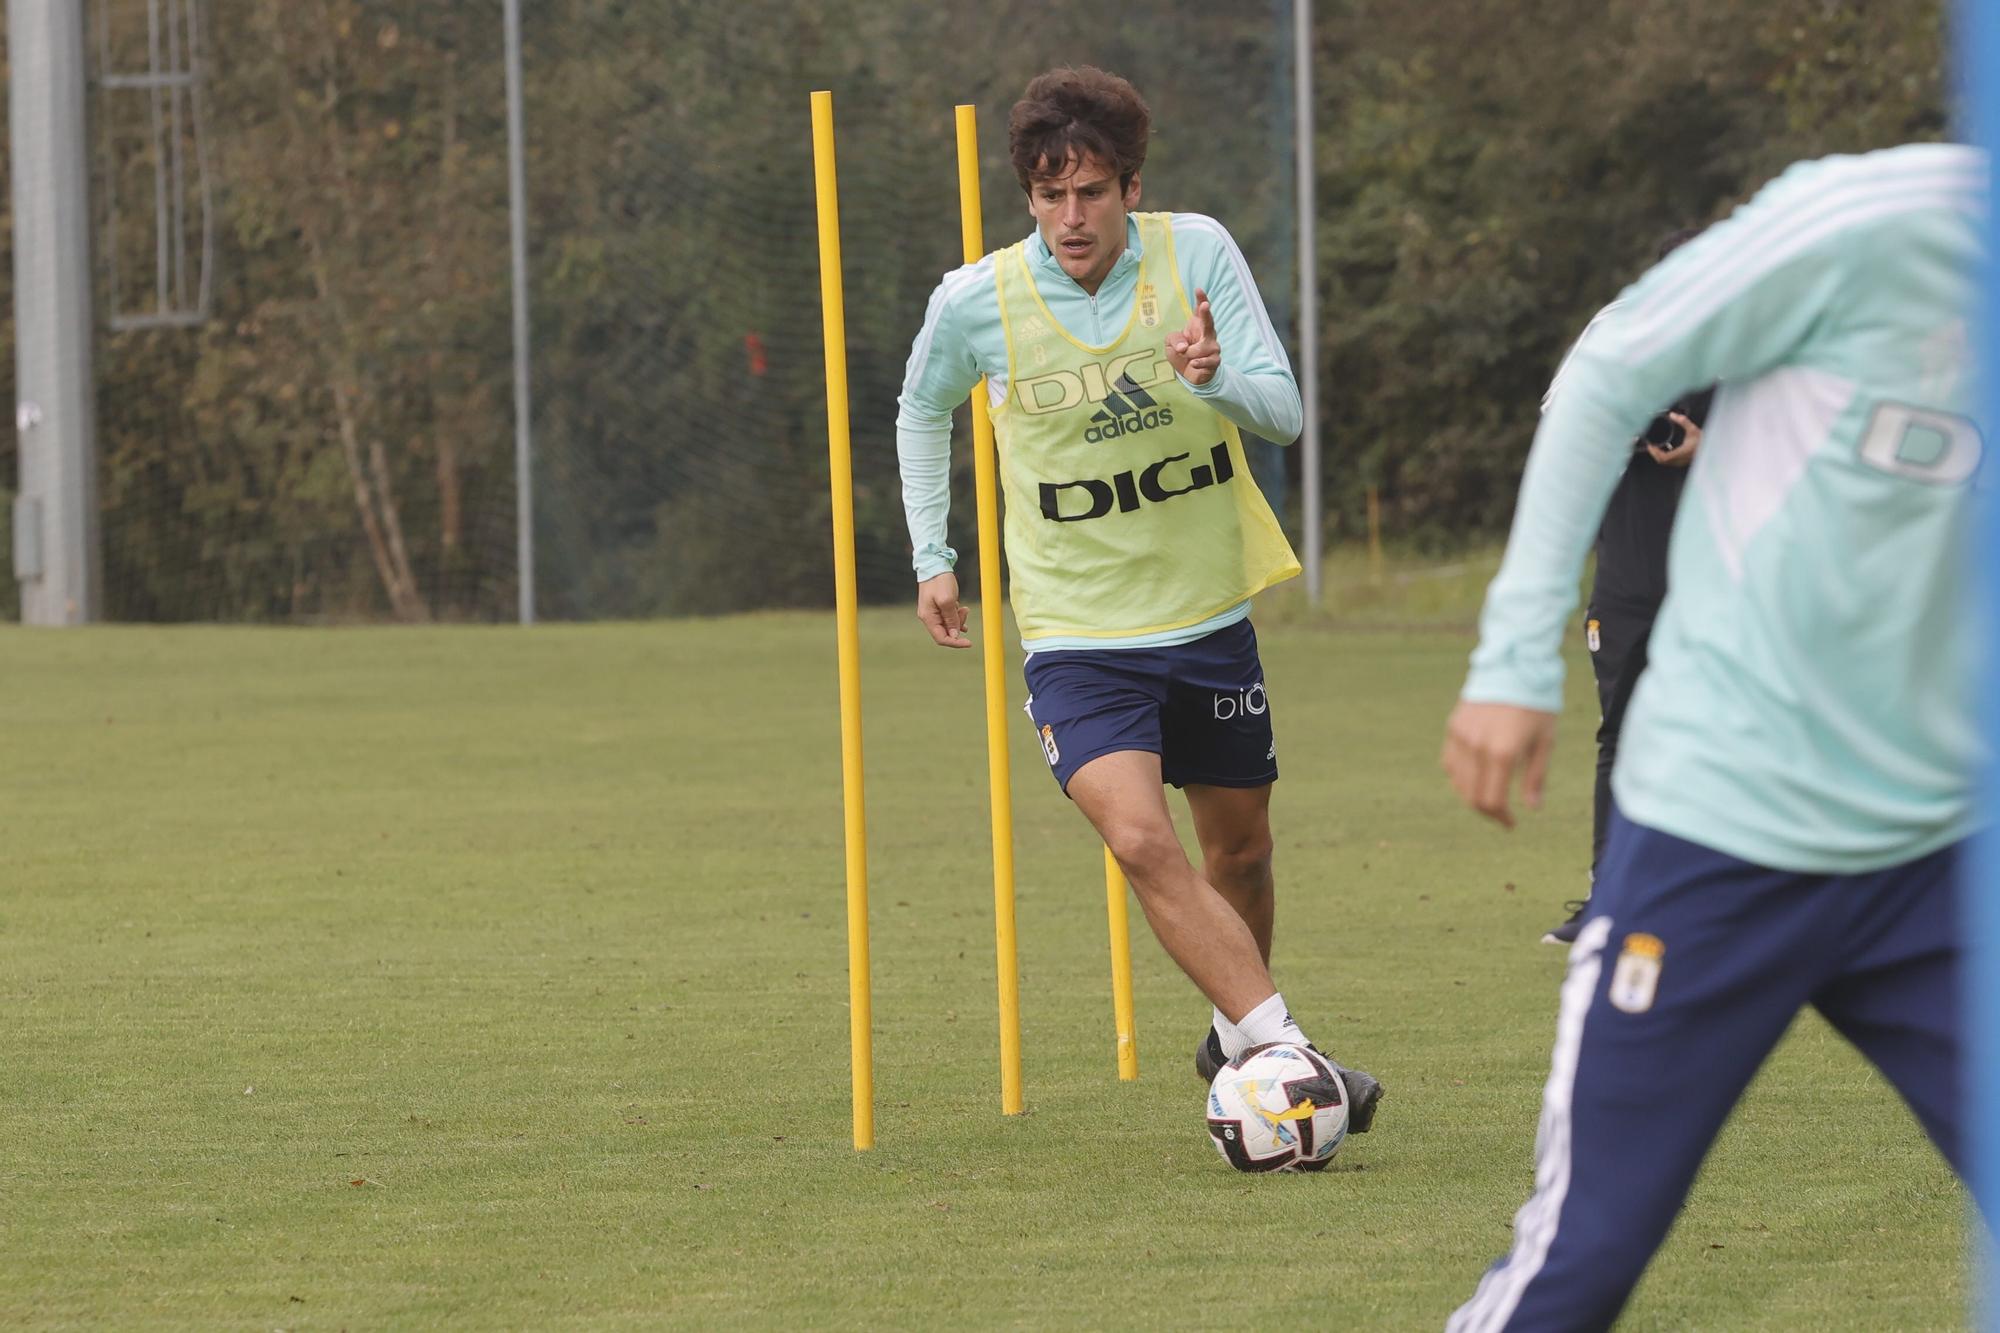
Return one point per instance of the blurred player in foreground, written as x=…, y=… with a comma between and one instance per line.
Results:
x=1630, y=579
x=1797, y=778
x=1122, y=352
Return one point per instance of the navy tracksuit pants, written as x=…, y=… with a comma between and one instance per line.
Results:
x=1689, y=968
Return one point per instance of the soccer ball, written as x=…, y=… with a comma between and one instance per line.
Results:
x=1277, y=1107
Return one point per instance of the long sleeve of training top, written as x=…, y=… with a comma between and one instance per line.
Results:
x=1645, y=349
x=962, y=339
x=1810, y=699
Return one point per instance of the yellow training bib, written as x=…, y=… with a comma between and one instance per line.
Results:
x=1130, y=508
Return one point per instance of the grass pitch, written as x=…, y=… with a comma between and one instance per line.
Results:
x=489, y=978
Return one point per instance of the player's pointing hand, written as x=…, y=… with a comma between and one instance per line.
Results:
x=1194, y=352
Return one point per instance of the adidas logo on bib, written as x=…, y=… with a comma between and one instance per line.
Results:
x=1126, y=410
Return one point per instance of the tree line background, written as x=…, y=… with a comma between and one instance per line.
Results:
x=336, y=441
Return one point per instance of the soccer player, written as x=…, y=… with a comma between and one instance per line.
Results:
x=1123, y=351
x=1630, y=579
x=1797, y=777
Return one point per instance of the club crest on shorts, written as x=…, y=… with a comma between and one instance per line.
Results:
x=1637, y=975
x=1590, y=636
x=1049, y=746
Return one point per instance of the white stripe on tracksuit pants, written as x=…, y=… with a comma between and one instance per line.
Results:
x=1535, y=1225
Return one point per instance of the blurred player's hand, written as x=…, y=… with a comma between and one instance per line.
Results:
x=1682, y=456
x=1193, y=351
x=1483, y=746
x=938, y=608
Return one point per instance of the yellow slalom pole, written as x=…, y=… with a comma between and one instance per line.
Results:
x=999, y=782
x=833, y=319
x=1121, y=968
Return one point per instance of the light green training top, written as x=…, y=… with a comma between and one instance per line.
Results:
x=1131, y=512
x=963, y=338
x=1808, y=699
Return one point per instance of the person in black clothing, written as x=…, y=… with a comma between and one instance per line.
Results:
x=1631, y=580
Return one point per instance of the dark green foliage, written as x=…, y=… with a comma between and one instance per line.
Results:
x=337, y=441
x=681, y=418
x=1491, y=175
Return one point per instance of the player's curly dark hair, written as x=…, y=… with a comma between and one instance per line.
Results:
x=1078, y=111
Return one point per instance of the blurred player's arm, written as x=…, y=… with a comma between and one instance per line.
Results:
x=1252, y=384
x=1730, y=305
x=941, y=372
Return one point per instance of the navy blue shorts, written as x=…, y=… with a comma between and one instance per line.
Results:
x=1688, y=970
x=1200, y=706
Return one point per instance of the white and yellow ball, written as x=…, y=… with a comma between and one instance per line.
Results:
x=1277, y=1107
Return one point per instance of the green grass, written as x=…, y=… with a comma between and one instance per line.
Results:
x=489, y=978
x=1403, y=590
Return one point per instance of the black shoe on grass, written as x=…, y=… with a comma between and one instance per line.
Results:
x=1565, y=934
x=1208, y=1057
x=1364, y=1091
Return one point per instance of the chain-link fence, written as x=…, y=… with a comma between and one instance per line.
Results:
x=680, y=418
x=303, y=308
x=303, y=407
x=304, y=355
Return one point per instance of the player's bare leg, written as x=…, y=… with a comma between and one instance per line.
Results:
x=1233, y=825
x=1122, y=796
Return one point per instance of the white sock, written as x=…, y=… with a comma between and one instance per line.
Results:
x=1234, y=1043
x=1269, y=1022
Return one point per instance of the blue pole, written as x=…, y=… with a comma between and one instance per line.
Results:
x=1979, y=80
